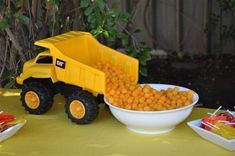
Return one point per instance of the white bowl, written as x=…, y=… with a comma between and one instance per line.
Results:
x=153, y=122
x=228, y=144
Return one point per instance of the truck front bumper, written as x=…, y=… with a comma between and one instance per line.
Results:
x=19, y=80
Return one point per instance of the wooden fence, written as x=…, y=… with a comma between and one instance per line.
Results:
x=178, y=25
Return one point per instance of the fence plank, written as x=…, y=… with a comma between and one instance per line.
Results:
x=194, y=37
x=164, y=18
x=143, y=21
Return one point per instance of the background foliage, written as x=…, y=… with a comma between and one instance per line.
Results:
x=22, y=22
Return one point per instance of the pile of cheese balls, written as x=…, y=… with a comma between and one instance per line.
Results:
x=121, y=91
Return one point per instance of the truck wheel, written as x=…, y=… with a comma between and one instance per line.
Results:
x=100, y=98
x=81, y=107
x=36, y=97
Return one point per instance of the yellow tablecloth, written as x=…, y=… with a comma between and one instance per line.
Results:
x=53, y=134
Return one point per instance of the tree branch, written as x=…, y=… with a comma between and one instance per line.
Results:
x=5, y=58
x=15, y=43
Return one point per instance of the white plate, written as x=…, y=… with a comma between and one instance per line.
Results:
x=228, y=144
x=10, y=131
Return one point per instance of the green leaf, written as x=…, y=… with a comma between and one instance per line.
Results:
x=23, y=19
x=106, y=34
x=111, y=13
x=143, y=71
x=93, y=26
x=85, y=3
x=115, y=5
x=143, y=62
x=91, y=17
x=112, y=38
x=133, y=54
x=93, y=21
x=93, y=32
x=137, y=30
x=2, y=2
x=88, y=11
x=124, y=17
x=97, y=31
x=112, y=30
x=125, y=39
x=3, y=24
x=10, y=84
x=146, y=55
x=112, y=34
x=100, y=4
x=110, y=23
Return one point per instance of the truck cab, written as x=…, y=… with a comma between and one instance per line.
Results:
x=39, y=67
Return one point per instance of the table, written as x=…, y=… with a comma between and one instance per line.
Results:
x=54, y=134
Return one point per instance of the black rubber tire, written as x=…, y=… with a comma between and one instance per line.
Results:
x=100, y=99
x=44, y=93
x=90, y=104
x=45, y=81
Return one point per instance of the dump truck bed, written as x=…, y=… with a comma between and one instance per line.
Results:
x=74, y=54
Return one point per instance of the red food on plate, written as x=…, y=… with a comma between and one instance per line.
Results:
x=212, y=120
x=230, y=118
x=5, y=118
x=228, y=115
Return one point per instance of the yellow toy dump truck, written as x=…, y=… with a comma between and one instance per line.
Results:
x=66, y=68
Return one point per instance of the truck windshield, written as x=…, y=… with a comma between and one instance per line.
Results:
x=44, y=59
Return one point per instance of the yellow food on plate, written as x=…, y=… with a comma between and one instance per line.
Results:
x=224, y=130
x=121, y=91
